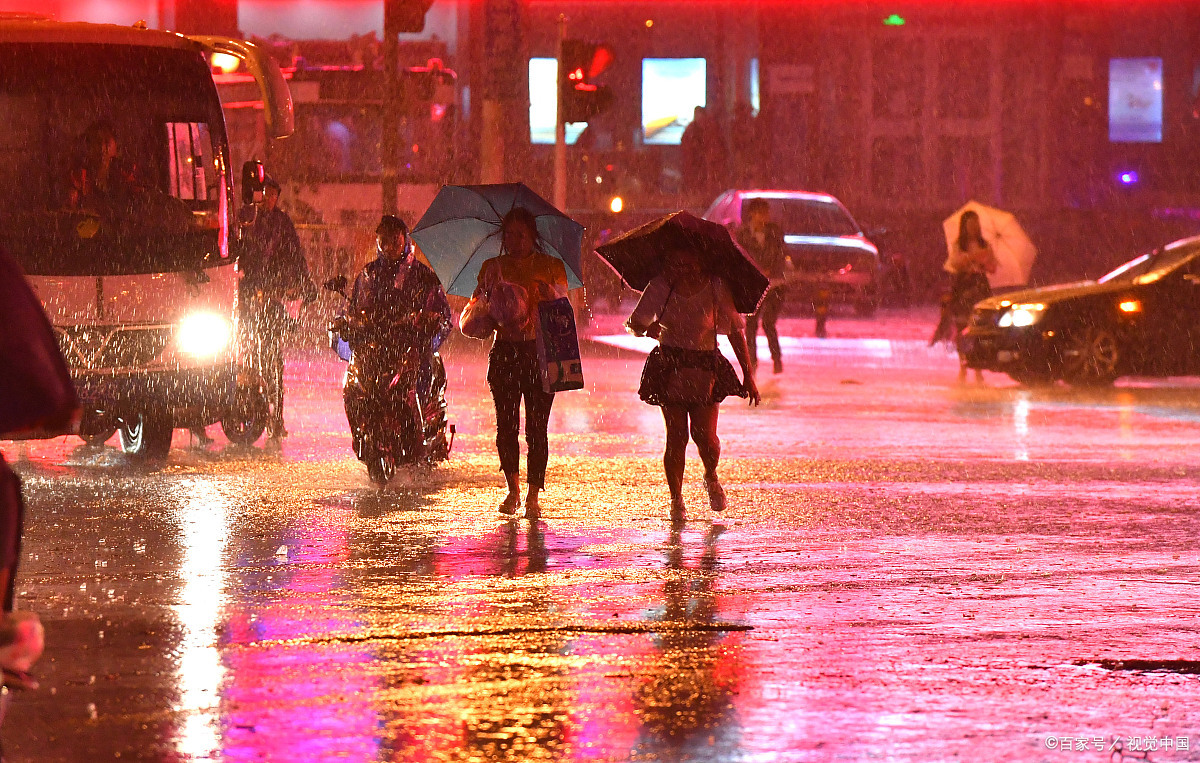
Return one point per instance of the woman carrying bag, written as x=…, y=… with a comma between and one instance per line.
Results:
x=685, y=309
x=506, y=302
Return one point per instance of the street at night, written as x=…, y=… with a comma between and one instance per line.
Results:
x=909, y=569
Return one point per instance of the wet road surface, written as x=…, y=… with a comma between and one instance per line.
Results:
x=910, y=569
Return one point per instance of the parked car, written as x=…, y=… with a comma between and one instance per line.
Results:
x=1142, y=319
x=827, y=247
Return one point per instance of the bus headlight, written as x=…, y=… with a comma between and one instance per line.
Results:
x=203, y=335
x=1019, y=316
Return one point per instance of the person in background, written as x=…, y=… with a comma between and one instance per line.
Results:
x=747, y=147
x=763, y=241
x=685, y=309
x=273, y=269
x=514, y=283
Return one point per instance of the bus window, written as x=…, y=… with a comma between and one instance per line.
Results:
x=192, y=169
x=106, y=169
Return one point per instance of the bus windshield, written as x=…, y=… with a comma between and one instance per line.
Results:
x=112, y=159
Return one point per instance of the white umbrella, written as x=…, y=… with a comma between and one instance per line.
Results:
x=1014, y=251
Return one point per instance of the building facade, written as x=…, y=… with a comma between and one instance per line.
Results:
x=1060, y=111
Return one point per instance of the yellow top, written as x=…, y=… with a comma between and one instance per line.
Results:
x=540, y=276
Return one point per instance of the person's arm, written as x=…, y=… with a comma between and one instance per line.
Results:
x=644, y=319
x=776, y=233
x=735, y=329
x=301, y=283
x=360, y=295
x=958, y=260
x=437, y=304
x=561, y=285
x=737, y=338
x=988, y=261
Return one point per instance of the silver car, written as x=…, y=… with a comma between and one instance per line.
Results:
x=827, y=247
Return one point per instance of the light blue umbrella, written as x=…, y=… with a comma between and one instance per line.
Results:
x=461, y=230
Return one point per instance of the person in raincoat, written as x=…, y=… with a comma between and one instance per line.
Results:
x=970, y=260
x=685, y=308
x=396, y=283
x=513, y=284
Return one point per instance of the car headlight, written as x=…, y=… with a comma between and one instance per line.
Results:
x=203, y=335
x=1019, y=316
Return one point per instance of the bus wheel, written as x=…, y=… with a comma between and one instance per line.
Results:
x=146, y=435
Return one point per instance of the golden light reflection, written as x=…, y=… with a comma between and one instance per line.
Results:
x=1021, y=425
x=203, y=530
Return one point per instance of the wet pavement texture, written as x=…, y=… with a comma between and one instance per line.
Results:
x=910, y=569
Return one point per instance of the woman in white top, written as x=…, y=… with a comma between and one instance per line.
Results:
x=685, y=309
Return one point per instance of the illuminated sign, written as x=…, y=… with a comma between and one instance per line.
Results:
x=543, y=103
x=1135, y=100
x=672, y=88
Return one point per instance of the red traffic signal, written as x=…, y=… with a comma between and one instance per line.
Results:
x=581, y=61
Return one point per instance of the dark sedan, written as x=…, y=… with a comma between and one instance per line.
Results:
x=1142, y=319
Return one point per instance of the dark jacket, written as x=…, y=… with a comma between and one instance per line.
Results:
x=273, y=261
x=387, y=290
x=770, y=255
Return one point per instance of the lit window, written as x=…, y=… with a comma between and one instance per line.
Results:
x=543, y=103
x=1135, y=100
x=672, y=88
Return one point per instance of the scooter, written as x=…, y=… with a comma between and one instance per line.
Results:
x=394, y=390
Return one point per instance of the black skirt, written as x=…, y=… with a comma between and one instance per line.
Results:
x=656, y=374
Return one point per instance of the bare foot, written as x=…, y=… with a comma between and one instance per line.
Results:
x=677, y=509
x=510, y=504
x=716, y=493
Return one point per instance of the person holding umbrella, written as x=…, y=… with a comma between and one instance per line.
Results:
x=970, y=261
x=685, y=307
x=507, y=249
x=513, y=284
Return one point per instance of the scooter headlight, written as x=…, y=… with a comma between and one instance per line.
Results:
x=203, y=335
x=1019, y=316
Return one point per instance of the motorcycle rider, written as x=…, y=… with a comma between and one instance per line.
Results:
x=274, y=269
x=395, y=319
x=395, y=285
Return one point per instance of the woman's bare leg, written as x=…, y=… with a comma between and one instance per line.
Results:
x=704, y=434
x=675, y=455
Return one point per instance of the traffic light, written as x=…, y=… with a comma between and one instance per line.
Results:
x=581, y=62
x=404, y=15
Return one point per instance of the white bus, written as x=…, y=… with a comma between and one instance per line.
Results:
x=118, y=201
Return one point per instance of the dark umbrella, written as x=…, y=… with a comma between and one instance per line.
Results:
x=638, y=255
x=461, y=229
x=36, y=390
